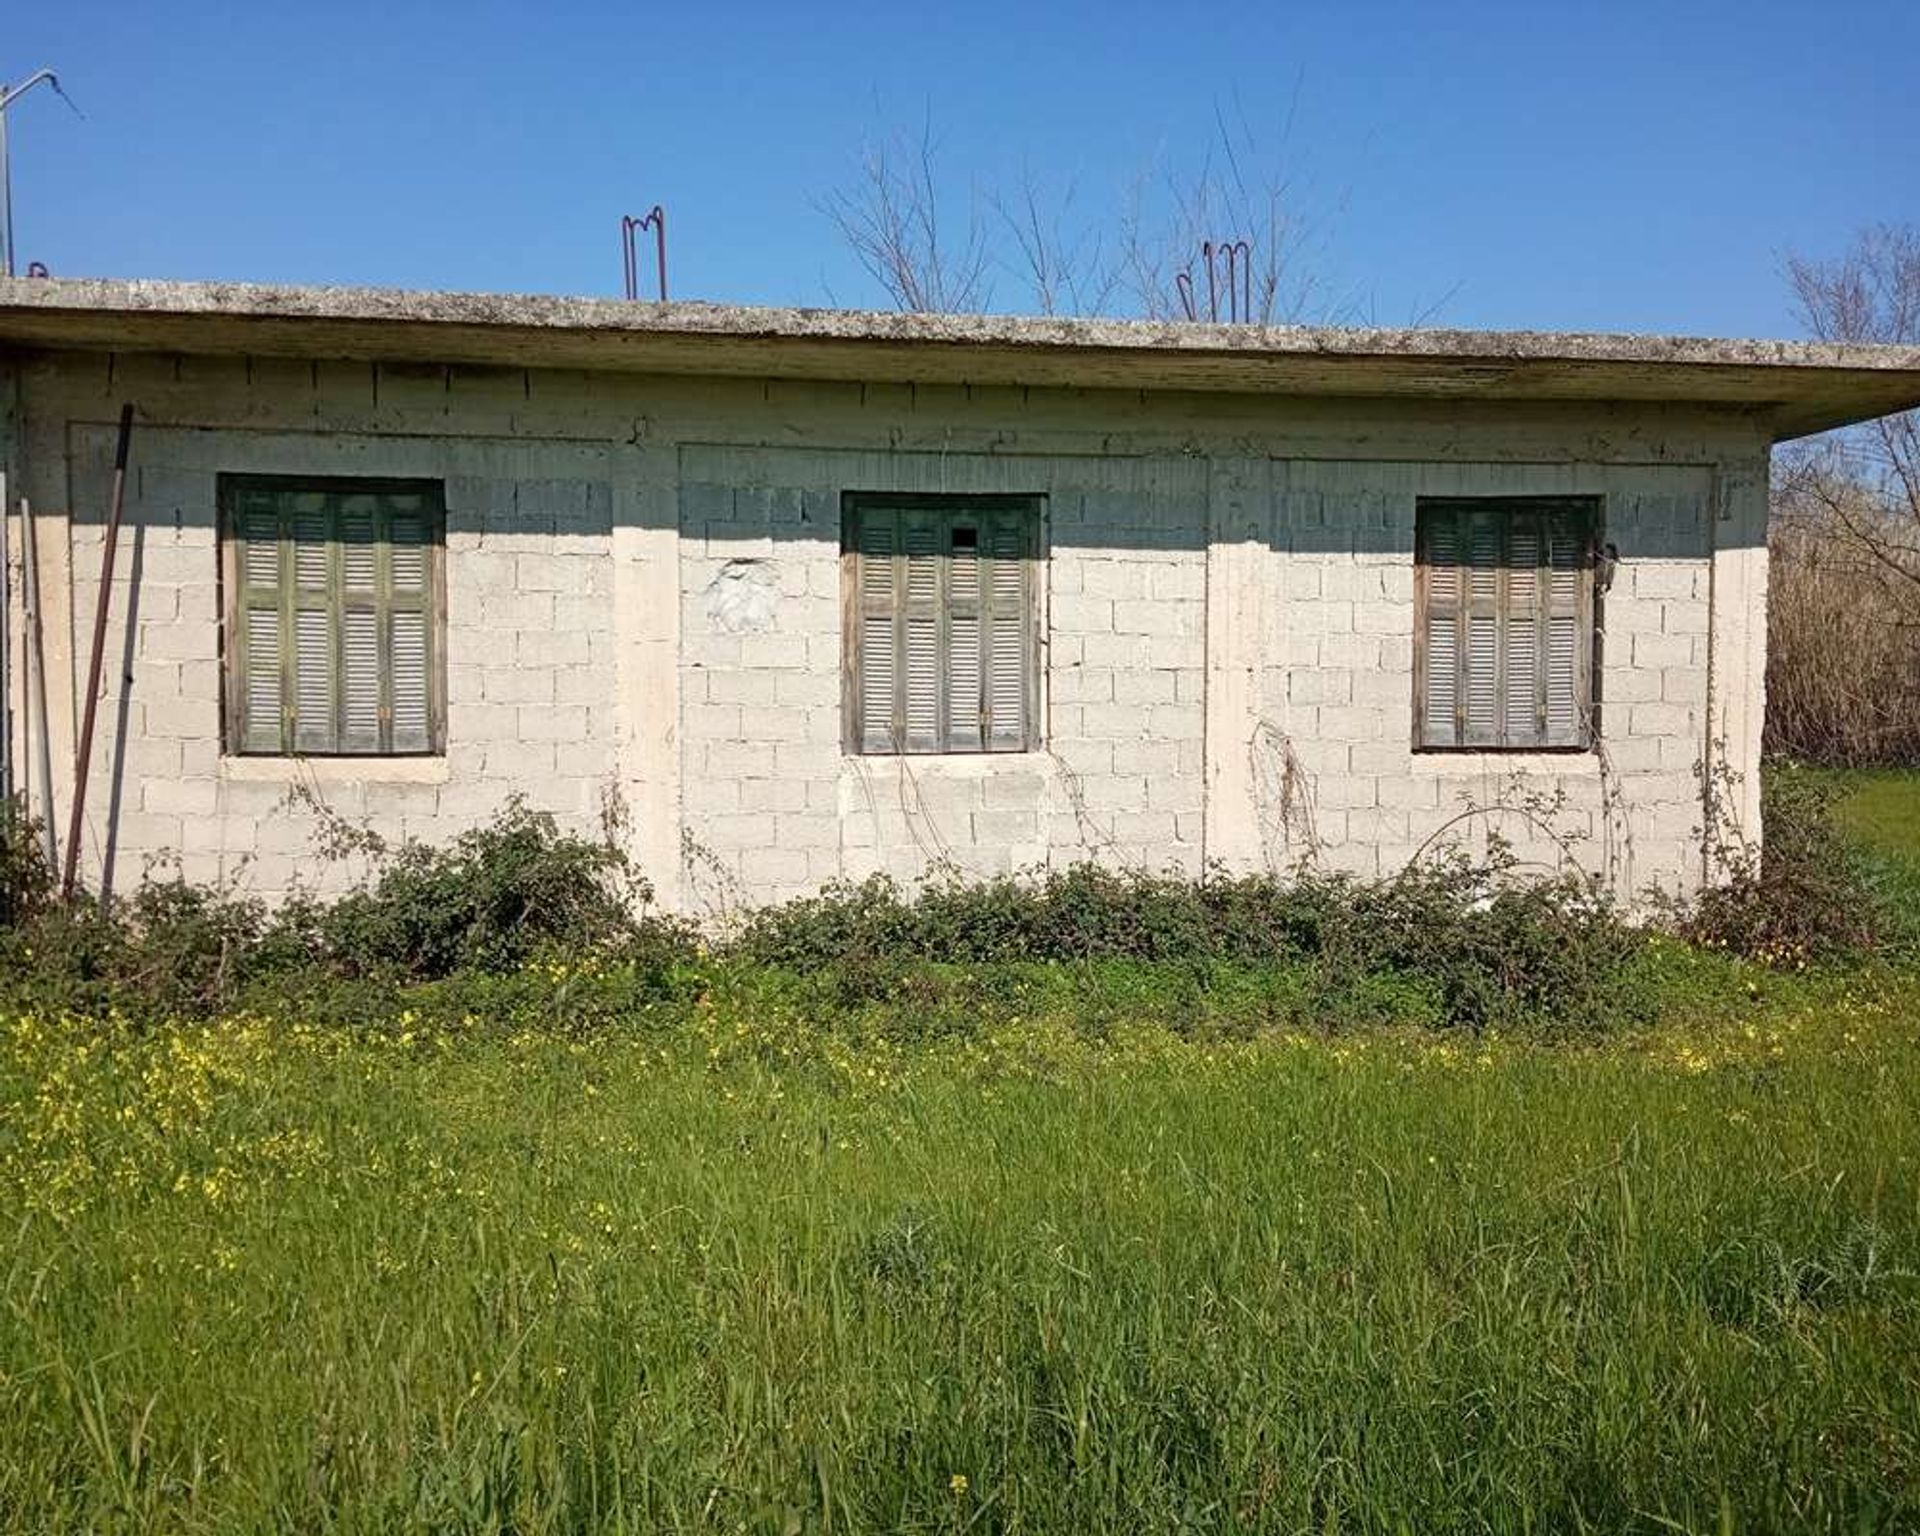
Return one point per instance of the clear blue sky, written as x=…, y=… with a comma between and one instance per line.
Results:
x=1567, y=166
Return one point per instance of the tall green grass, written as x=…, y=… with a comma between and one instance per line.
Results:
x=740, y=1276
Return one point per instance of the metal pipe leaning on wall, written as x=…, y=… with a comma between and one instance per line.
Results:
x=40, y=747
x=6, y=655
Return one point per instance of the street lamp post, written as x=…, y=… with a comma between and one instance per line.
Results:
x=9, y=94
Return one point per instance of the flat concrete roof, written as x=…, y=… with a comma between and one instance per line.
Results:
x=1799, y=387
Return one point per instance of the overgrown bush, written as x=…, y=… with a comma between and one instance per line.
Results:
x=491, y=901
x=1490, y=948
x=497, y=901
x=26, y=882
x=522, y=924
x=1802, y=898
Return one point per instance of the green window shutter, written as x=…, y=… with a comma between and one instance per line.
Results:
x=1010, y=649
x=964, y=672
x=360, y=680
x=314, y=720
x=1440, y=703
x=335, y=618
x=1480, y=724
x=259, y=687
x=876, y=540
x=1506, y=629
x=1567, y=683
x=1521, y=626
x=920, y=658
x=941, y=627
x=409, y=602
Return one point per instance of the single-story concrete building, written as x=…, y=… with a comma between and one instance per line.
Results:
x=797, y=594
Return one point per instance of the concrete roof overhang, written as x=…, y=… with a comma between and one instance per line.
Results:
x=1796, y=387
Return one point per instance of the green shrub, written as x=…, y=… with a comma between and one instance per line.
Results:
x=1804, y=897
x=1459, y=942
x=515, y=894
x=26, y=881
x=489, y=902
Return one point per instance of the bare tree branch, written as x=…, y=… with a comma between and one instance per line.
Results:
x=1137, y=261
x=891, y=220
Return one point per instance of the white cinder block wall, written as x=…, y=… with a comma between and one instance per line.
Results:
x=644, y=618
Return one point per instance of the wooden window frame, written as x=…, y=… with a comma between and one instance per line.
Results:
x=230, y=488
x=951, y=509
x=1591, y=510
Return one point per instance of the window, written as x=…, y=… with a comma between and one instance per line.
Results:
x=941, y=639
x=333, y=616
x=1504, y=606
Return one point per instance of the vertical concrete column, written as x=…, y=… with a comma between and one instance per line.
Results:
x=1239, y=514
x=1737, y=625
x=646, y=592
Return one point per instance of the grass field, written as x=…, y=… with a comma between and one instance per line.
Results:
x=265, y=1275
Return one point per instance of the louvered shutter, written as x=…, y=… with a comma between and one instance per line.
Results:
x=1521, y=652
x=1009, y=638
x=409, y=603
x=1507, y=624
x=260, y=692
x=941, y=626
x=335, y=619
x=964, y=680
x=1440, y=701
x=1481, y=721
x=358, y=607
x=920, y=623
x=1569, y=597
x=876, y=541
x=316, y=724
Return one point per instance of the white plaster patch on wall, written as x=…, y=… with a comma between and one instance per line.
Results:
x=741, y=596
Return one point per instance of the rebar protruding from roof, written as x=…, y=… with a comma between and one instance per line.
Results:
x=655, y=219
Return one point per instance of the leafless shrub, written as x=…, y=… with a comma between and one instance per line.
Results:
x=931, y=251
x=896, y=223
x=1844, y=623
x=1843, y=653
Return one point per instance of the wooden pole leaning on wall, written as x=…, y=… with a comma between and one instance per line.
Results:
x=83, y=755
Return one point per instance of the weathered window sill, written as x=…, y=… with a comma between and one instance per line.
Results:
x=334, y=770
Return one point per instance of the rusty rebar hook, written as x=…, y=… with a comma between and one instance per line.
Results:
x=1240, y=283
x=655, y=219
